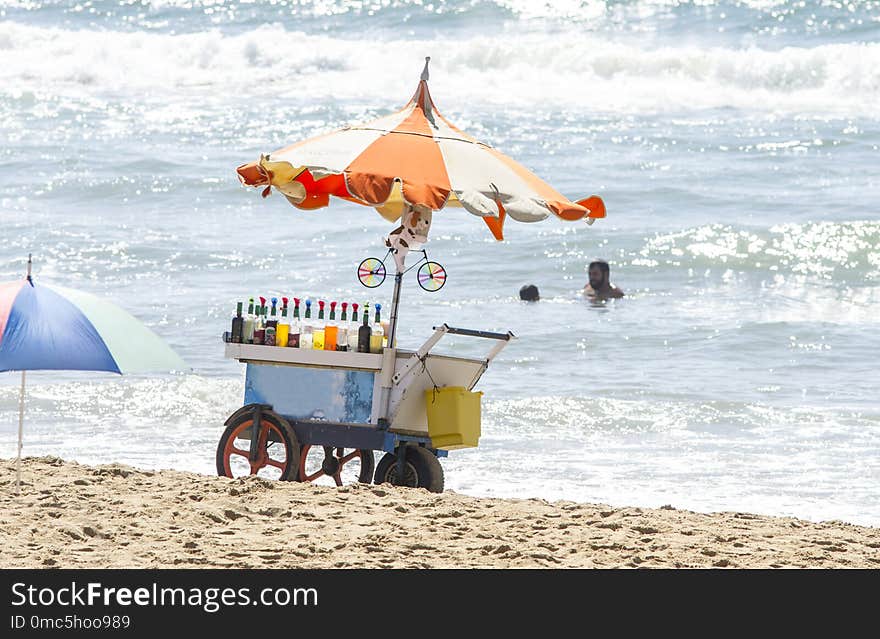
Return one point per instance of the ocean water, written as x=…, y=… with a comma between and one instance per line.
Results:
x=736, y=144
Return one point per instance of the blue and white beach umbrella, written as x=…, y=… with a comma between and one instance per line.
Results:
x=53, y=328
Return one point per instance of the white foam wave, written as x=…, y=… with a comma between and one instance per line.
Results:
x=574, y=71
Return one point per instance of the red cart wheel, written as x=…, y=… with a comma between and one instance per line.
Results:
x=277, y=449
x=337, y=466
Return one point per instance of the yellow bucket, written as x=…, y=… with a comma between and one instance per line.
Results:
x=453, y=417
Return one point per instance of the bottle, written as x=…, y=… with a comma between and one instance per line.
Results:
x=318, y=331
x=237, y=324
x=248, y=336
x=282, y=331
x=332, y=330
x=295, y=326
x=377, y=332
x=259, y=324
x=342, y=337
x=306, y=336
x=353, y=330
x=364, y=332
x=273, y=317
x=271, y=325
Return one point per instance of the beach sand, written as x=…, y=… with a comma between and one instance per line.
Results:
x=75, y=516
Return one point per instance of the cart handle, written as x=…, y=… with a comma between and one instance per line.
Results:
x=439, y=332
x=472, y=333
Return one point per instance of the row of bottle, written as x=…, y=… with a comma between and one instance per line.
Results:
x=261, y=326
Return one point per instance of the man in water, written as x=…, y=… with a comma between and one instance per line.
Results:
x=600, y=287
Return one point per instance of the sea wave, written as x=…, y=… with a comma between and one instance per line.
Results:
x=764, y=19
x=571, y=69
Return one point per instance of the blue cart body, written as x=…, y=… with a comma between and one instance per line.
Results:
x=325, y=406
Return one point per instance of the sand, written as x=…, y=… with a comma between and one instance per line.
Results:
x=78, y=516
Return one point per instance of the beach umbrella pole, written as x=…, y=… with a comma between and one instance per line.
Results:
x=20, y=435
x=389, y=356
x=21, y=401
x=385, y=398
x=395, y=301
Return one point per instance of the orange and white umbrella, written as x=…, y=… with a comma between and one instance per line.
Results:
x=413, y=157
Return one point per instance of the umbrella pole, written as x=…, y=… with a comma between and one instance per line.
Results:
x=20, y=435
x=392, y=325
x=389, y=355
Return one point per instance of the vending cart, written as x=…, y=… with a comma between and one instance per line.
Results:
x=413, y=406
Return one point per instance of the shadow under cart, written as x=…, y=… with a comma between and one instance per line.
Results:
x=320, y=416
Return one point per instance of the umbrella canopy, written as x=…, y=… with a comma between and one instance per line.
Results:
x=417, y=157
x=53, y=328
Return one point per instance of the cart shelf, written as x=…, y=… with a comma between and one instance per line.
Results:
x=304, y=357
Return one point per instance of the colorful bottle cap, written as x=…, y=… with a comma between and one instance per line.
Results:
x=344, y=305
x=332, y=306
x=274, y=301
x=308, y=302
x=378, y=307
x=296, y=301
x=321, y=304
x=284, y=301
x=262, y=301
x=354, y=305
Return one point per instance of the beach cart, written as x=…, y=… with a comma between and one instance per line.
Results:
x=311, y=414
x=413, y=406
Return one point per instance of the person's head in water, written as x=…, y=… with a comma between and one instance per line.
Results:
x=600, y=274
x=529, y=293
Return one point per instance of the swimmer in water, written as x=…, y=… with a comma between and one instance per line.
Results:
x=600, y=287
x=529, y=293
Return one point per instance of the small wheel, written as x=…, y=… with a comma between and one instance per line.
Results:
x=421, y=470
x=277, y=449
x=371, y=272
x=431, y=276
x=336, y=466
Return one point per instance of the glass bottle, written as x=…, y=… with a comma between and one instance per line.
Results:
x=248, y=335
x=306, y=336
x=237, y=324
x=377, y=333
x=295, y=326
x=353, y=330
x=271, y=324
x=318, y=331
x=282, y=331
x=332, y=330
x=273, y=316
x=342, y=337
x=259, y=323
x=364, y=332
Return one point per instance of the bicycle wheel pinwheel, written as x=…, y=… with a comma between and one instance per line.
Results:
x=431, y=276
x=371, y=272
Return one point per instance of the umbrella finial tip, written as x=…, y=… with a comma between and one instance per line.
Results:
x=425, y=70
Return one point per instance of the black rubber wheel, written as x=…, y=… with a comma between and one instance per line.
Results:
x=310, y=470
x=421, y=470
x=279, y=455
